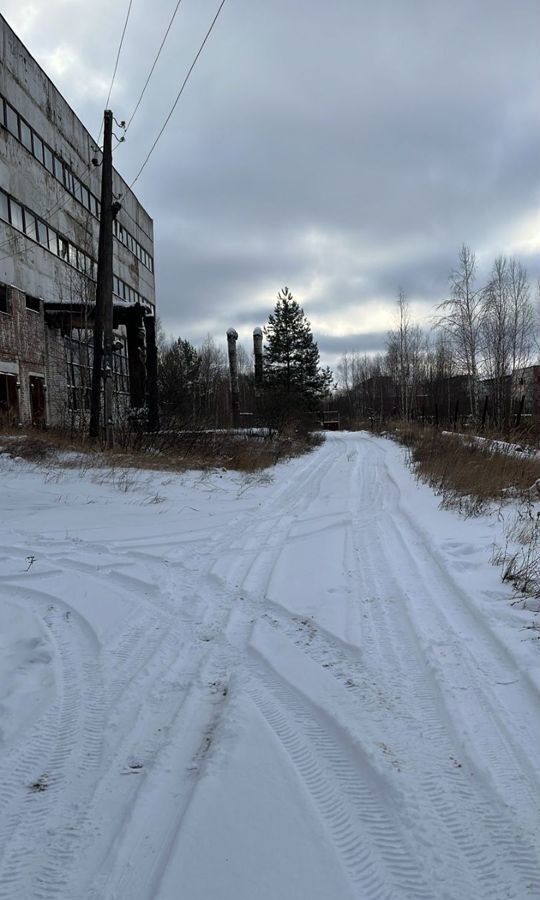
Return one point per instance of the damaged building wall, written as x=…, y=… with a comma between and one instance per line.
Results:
x=46, y=365
x=22, y=358
x=49, y=228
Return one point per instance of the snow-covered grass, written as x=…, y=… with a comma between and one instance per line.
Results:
x=307, y=682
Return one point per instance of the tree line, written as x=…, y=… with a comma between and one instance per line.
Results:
x=472, y=362
x=194, y=384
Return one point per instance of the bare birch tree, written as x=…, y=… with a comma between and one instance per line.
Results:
x=497, y=335
x=461, y=319
x=404, y=354
x=521, y=316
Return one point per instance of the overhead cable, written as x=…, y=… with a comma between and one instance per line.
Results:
x=151, y=72
x=185, y=81
x=116, y=63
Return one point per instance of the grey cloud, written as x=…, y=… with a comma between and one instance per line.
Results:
x=344, y=149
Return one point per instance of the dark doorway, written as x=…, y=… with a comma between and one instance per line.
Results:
x=9, y=400
x=37, y=400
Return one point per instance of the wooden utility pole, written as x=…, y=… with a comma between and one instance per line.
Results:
x=103, y=323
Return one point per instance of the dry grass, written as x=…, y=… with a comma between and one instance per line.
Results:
x=467, y=474
x=171, y=451
x=520, y=558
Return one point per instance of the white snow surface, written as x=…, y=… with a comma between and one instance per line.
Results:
x=308, y=684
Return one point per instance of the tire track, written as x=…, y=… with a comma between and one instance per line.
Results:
x=484, y=834
x=41, y=829
x=362, y=828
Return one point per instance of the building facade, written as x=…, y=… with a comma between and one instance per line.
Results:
x=50, y=187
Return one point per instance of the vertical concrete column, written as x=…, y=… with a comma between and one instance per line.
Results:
x=232, y=337
x=136, y=356
x=151, y=373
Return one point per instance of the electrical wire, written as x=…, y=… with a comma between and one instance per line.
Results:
x=116, y=63
x=154, y=64
x=185, y=81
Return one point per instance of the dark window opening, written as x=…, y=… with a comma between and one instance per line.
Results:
x=5, y=299
x=9, y=399
x=33, y=303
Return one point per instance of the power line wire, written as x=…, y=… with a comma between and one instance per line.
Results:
x=190, y=70
x=116, y=63
x=151, y=72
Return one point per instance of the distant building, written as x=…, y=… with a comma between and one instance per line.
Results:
x=49, y=225
x=526, y=392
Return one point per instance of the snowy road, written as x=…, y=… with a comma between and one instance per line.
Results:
x=307, y=685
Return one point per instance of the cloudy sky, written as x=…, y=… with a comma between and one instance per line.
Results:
x=341, y=148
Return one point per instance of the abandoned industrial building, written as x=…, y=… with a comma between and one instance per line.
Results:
x=49, y=226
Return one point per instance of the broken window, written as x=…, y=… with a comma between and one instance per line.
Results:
x=33, y=303
x=5, y=299
x=63, y=249
x=9, y=399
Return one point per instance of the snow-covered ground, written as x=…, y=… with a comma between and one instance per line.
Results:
x=304, y=685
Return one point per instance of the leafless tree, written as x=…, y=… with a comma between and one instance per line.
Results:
x=521, y=316
x=404, y=356
x=461, y=318
x=497, y=336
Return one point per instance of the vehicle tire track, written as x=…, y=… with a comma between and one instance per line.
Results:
x=41, y=829
x=357, y=817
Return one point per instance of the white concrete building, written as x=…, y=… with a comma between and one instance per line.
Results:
x=49, y=224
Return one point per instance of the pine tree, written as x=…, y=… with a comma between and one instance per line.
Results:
x=178, y=372
x=291, y=355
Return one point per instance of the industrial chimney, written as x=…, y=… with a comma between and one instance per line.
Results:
x=232, y=337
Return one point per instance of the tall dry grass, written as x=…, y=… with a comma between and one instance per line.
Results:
x=465, y=472
x=470, y=475
x=244, y=451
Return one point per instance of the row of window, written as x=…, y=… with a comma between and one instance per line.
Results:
x=127, y=239
x=34, y=228
x=32, y=303
x=79, y=359
x=17, y=126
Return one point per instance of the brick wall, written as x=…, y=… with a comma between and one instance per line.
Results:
x=22, y=347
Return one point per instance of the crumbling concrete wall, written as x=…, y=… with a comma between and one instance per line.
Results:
x=22, y=347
